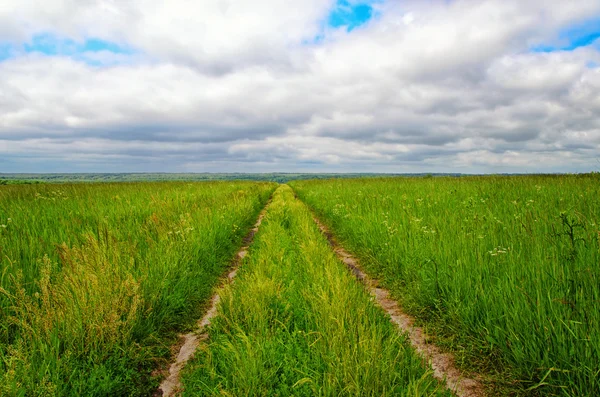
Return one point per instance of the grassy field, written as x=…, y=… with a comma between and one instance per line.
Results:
x=504, y=270
x=96, y=279
x=296, y=323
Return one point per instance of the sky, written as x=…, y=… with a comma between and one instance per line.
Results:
x=487, y=86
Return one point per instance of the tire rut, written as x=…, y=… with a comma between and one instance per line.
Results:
x=188, y=343
x=443, y=364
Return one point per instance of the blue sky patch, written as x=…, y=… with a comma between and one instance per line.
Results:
x=52, y=45
x=49, y=44
x=350, y=15
x=6, y=51
x=346, y=14
x=574, y=37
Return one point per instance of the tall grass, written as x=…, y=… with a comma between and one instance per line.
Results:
x=96, y=279
x=297, y=323
x=506, y=269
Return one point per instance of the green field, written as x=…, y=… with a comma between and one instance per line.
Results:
x=505, y=271
x=97, y=281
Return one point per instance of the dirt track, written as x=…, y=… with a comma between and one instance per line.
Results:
x=442, y=363
x=171, y=385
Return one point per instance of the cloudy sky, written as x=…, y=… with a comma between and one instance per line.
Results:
x=312, y=85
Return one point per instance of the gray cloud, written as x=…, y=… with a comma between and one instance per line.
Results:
x=230, y=86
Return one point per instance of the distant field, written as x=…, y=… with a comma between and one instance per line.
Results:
x=280, y=177
x=96, y=279
x=504, y=270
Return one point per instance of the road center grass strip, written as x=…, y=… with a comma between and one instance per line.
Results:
x=97, y=280
x=503, y=270
x=297, y=323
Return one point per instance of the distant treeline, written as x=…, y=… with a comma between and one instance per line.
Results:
x=135, y=177
x=279, y=177
x=7, y=181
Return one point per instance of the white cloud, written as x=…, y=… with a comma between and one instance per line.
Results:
x=431, y=86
